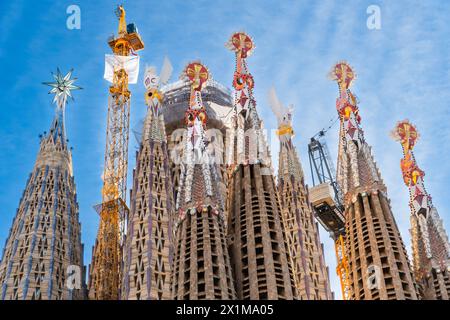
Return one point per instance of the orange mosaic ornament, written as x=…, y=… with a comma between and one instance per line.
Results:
x=197, y=74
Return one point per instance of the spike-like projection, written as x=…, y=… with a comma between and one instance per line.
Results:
x=44, y=244
x=148, y=250
x=257, y=245
x=430, y=245
x=378, y=266
x=301, y=230
x=201, y=268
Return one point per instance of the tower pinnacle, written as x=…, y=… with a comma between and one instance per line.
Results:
x=246, y=143
x=378, y=266
x=201, y=268
x=44, y=244
x=148, y=248
x=61, y=88
x=301, y=231
x=430, y=245
x=257, y=244
x=196, y=155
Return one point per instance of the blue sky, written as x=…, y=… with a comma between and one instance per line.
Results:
x=403, y=72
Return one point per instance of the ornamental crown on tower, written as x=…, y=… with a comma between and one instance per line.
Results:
x=197, y=75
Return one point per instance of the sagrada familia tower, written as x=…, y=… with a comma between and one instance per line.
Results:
x=258, y=247
x=301, y=230
x=430, y=245
x=206, y=219
x=378, y=266
x=43, y=256
x=201, y=268
x=148, y=251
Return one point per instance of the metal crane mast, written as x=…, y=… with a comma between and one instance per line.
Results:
x=327, y=201
x=107, y=256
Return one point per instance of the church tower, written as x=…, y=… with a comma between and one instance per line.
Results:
x=148, y=247
x=257, y=246
x=201, y=268
x=43, y=255
x=377, y=260
x=301, y=230
x=430, y=245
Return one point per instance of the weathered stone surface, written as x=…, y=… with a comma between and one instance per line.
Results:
x=44, y=242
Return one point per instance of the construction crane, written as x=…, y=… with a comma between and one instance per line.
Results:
x=120, y=68
x=327, y=201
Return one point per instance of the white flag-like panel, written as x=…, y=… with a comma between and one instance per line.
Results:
x=114, y=63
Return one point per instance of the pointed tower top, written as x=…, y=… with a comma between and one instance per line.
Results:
x=434, y=244
x=153, y=96
x=199, y=187
x=357, y=169
x=245, y=119
x=53, y=146
x=154, y=127
x=407, y=134
x=61, y=88
x=197, y=75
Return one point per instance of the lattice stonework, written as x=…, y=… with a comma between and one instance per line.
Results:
x=310, y=271
x=377, y=258
x=255, y=227
x=310, y=274
x=149, y=249
x=44, y=247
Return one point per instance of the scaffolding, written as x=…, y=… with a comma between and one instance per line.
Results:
x=105, y=275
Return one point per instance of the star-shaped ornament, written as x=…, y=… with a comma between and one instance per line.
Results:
x=62, y=87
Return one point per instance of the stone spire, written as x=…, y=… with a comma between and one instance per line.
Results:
x=430, y=245
x=378, y=263
x=306, y=251
x=255, y=226
x=43, y=255
x=149, y=247
x=201, y=268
